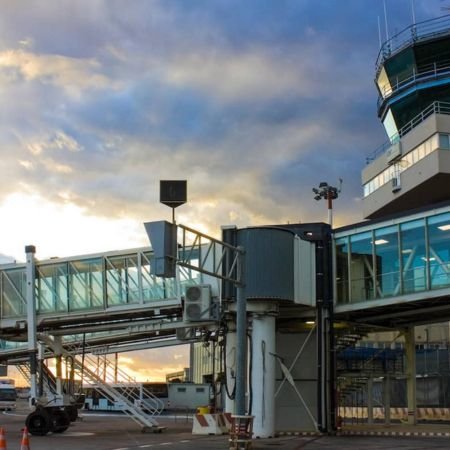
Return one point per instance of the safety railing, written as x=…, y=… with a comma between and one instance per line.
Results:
x=414, y=33
x=433, y=71
x=433, y=108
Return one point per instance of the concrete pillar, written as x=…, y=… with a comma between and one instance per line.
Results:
x=387, y=399
x=230, y=361
x=370, y=400
x=410, y=353
x=263, y=375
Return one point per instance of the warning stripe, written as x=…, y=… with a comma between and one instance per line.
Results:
x=201, y=420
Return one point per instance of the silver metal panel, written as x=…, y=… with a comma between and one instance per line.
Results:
x=269, y=262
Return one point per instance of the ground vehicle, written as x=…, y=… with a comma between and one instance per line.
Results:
x=8, y=395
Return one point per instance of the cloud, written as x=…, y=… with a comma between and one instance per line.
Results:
x=72, y=74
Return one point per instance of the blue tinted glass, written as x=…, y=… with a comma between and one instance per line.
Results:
x=342, y=270
x=439, y=250
x=361, y=267
x=387, y=262
x=413, y=255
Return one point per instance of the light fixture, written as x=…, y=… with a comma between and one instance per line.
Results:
x=381, y=241
x=427, y=259
x=445, y=227
x=310, y=322
x=407, y=250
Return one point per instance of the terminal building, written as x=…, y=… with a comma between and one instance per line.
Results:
x=332, y=316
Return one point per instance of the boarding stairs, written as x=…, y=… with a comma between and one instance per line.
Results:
x=355, y=365
x=124, y=394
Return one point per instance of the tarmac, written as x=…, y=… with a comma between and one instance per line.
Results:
x=113, y=431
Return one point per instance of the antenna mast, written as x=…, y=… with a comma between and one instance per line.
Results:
x=385, y=20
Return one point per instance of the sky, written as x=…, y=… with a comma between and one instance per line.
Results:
x=253, y=102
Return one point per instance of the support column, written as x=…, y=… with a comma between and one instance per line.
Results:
x=263, y=375
x=410, y=353
x=387, y=399
x=241, y=344
x=30, y=250
x=370, y=400
x=230, y=362
x=58, y=352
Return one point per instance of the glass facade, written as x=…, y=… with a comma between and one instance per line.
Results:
x=402, y=258
x=88, y=284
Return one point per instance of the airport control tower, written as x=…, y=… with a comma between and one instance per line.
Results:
x=412, y=169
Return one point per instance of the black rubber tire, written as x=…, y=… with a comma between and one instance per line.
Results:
x=59, y=421
x=72, y=411
x=38, y=422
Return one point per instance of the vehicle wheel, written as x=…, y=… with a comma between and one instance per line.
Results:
x=59, y=421
x=38, y=423
x=72, y=411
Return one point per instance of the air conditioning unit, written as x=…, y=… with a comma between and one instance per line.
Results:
x=395, y=183
x=197, y=303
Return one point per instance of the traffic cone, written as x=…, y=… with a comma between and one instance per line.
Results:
x=25, y=444
x=2, y=439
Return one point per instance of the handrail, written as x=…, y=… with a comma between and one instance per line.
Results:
x=437, y=71
x=433, y=108
x=413, y=33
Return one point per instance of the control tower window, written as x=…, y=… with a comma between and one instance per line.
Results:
x=390, y=126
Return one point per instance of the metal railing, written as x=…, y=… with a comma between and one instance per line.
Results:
x=429, y=72
x=413, y=33
x=434, y=108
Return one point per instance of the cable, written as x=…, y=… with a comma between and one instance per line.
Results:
x=231, y=395
x=250, y=374
x=263, y=351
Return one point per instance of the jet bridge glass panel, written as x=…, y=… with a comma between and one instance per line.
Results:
x=405, y=257
x=414, y=258
x=52, y=288
x=361, y=267
x=439, y=254
x=387, y=261
x=13, y=284
x=86, y=284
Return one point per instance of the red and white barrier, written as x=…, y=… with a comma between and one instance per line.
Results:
x=209, y=424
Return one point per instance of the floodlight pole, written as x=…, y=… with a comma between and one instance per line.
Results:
x=330, y=209
x=329, y=193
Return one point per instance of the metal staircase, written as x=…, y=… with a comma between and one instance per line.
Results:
x=142, y=409
x=356, y=365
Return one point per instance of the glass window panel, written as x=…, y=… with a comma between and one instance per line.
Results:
x=387, y=262
x=421, y=151
x=390, y=126
x=413, y=255
x=361, y=267
x=86, y=284
x=342, y=248
x=122, y=280
x=444, y=141
x=52, y=291
x=153, y=288
x=439, y=250
x=13, y=293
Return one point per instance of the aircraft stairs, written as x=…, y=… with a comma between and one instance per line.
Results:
x=115, y=385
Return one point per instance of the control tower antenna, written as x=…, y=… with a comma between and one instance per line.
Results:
x=386, y=20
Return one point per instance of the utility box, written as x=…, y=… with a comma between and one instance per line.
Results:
x=197, y=303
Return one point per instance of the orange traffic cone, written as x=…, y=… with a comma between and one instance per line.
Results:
x=25, y=445
x=2, y=439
